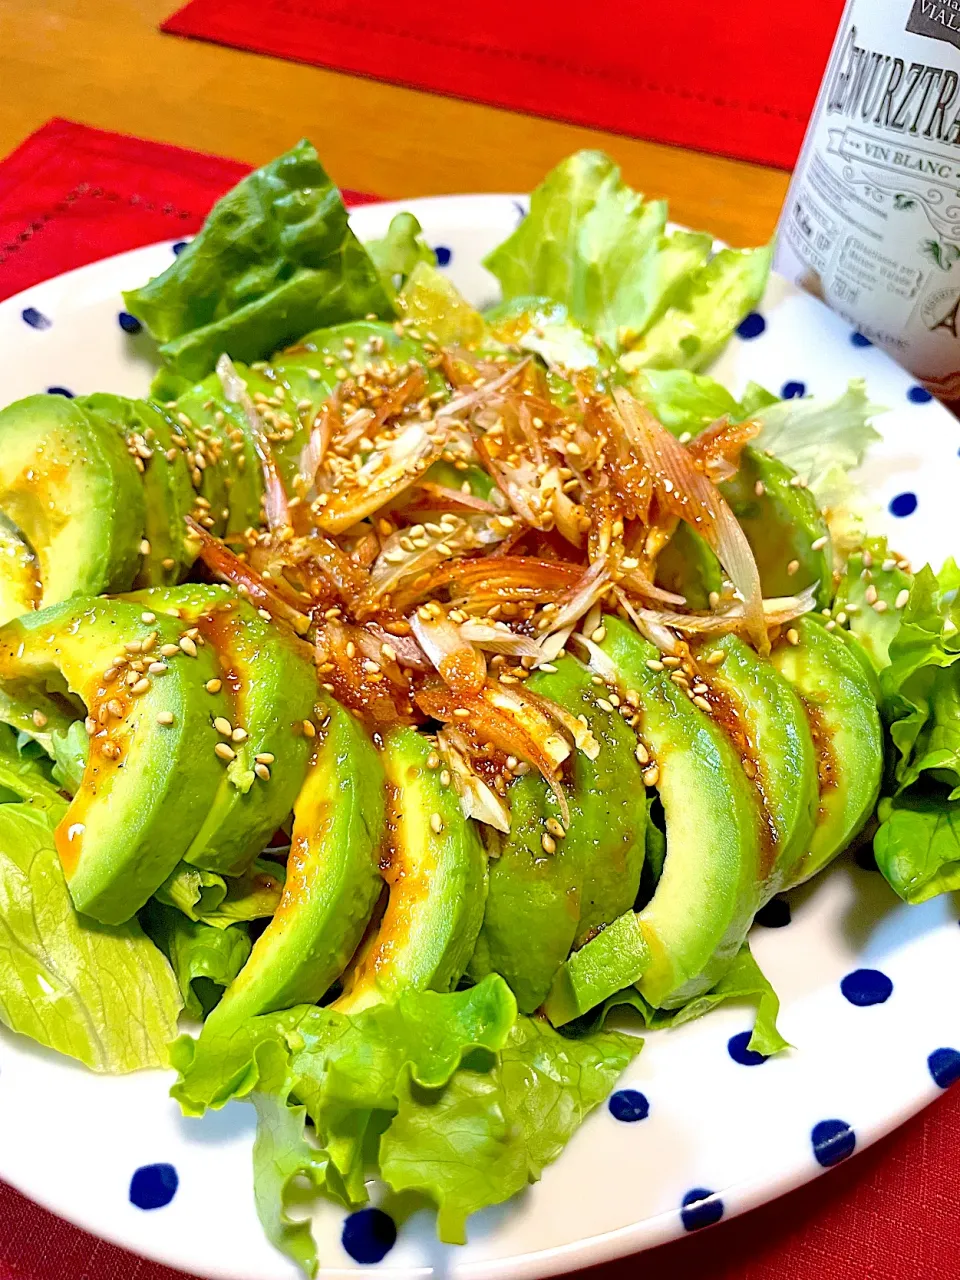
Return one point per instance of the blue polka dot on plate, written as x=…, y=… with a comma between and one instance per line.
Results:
x=520, y=210
x=864, y=987
x=443, y=255
x=129, y=323
x=919, y=395
x=944, y=1066
x=751, y=326
x=737, y=1047
x=774, y=915
x=629, y=1105
x=793, y=390
x=701, y=1208
x=35, y=319
x=832, y=1141
x=179, y=247
x=153, y=1185
x=860, y=340
x=369, y=1235
x=60, y=391
x=904, y=504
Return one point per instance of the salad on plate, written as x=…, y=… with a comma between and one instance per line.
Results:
x=417, y=703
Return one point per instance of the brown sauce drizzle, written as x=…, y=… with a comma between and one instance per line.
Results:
x=727, y=715
x=823, y=745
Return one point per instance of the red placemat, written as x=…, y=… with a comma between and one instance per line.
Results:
x=72, y=194
x=737, y=77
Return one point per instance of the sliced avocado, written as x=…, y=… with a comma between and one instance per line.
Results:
x=687, y=566
x=538, y=903
x=783, y=524
x=709, y=889
x=148, y=785
x=72, y=491
x=333, y=877
x=20, y=587
x=436, y=869
x=770, y=730
x=168, y=494
x=840, y=702
x=219, y=452
x=270, y=680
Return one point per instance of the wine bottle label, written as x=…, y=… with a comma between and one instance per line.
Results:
x=871, y=223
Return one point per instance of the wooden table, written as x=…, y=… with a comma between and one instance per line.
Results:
x=105, y=63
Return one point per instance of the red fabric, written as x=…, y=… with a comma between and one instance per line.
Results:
x=737, y=77
x=72, y=194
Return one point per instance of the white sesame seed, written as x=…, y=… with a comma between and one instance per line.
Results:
x=309, y=729
x=792, y=567
x=223, y=726
x=604, y=704
x=654, y=664
x=168, y=650
x=148, y=618
x=700, y=701
x=188, y=646
x=436, y=823
x=158, y=668
x=879, y=606
x=165, y=717
x=902, y=598
x=239, y=735
x=651, y=776
x=212, y=686
x=225, y=751
x=39, y=719
x=819, y=543
x=759, y=489
x=549, y=844
x=265, y=757
x=793, y=636
x=262, y=771
x=870, y=595
x=555, y=828
x=144, y=547
x=642, y=754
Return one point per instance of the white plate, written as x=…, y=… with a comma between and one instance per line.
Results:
x=745, y=1133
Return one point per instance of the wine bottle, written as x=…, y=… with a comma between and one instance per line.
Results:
x=871, y=222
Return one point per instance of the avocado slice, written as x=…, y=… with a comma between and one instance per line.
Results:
x=152, y=770
x=783, y=524
x=271, y=684
x=687, y=566
x=168, y=494
x=69, y=487
x=20, y=587
x=539, y=904
x=436, y=869
x=333, y=877
x=840, y=701
x=709, y=889
x=769, y=728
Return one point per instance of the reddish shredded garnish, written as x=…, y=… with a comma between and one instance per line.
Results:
x=716, y=450
x=220, y=560
x=513, y=723
x=437, y=497
x=358, y=680
x=459, y=664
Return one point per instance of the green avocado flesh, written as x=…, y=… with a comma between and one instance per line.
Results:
x=270, y=681
x=708, y=892
x=833, y=683
x=539, y=904
x=783, y=524
x=147, y=786
x=169, y=497
x=437, y=880
x=72, y=491
x=770, y=729
x=333, y=878
x=20, y=587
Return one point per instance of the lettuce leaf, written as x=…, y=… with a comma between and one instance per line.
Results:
x=400, y=250
x=500, y=1120
x=684, y=402
x=224, y=900
x=707, y=307
x=916, y=843
x=102, y=994
x=274, y=259
x=744, y=981
x=823, y=443
x=451, y=1095
x=205, y=960
x=597, y=246
x=25, y=776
